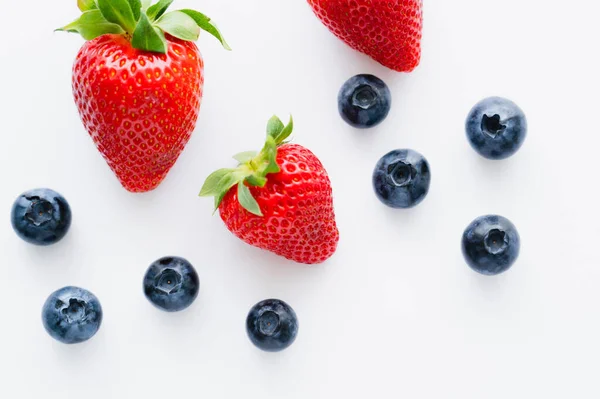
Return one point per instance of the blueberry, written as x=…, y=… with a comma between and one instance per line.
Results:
x=364, y=101
x=272, y=325
x=491, y=244
x=401, y=178
x=171, y=284
x=72, y=315
x=496, y=128
x=41, y=216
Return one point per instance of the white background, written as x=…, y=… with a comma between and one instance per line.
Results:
x=396, y=312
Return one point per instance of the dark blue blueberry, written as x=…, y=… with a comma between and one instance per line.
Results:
x=72, y=315
x=491, y=244
x=401, y=178
x=364, y=101
x=496, y=128
x=272, y=325
x=171, y=284
x=41, y=216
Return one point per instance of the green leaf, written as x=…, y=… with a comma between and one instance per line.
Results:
x=118, y=12
x=219, y=199
x=272, y=166
x=92, y=24
x=211, y=186
x=285, y=132
x=146, y=4
x=136, y=7
x=225, y=185
x=274, y=127
x=158, y=9
x=86, y=5
x=246, y=156
x=179, y=25
x=247, y=201
x=206, y=24
x=269, y=153
x=147, y=37
x=256, y=181
x=220, y=182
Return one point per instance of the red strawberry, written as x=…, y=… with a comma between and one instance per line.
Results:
x=138, y=84
x=389, y=31
x=282, y=202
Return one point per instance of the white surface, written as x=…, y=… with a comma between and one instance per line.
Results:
x=396, y=313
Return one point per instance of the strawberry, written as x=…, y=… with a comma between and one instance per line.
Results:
x=137, y=84
x=282, y=201
x=389, y=31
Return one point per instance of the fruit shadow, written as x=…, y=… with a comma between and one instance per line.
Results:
x=362, y=138
x=60, y=255
x=359, y=63
x=277, y=362
x=143, y=200
x=270, y=275
x=74, y=360
x=175, y=323
x=269, y=264
x=404, y=220
x=487, y=288
x=72, y=357
x=489, y=170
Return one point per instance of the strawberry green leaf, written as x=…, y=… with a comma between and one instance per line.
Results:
x=246, y=156
x=267, y=163
x=226, y=183
x=211, y=186
x=158, y=9
x=136, y=8
x=252, y=171
x=247, y=201
x=274, y=127
x=179, y=25
x=206, y=24
x=118, y=12
x=270, y=154
x=220, y=182
x=92, y=24
x=285, y=132
x=86, y=5
x=256, y=181
x=219, y=199
x=146, y=4
x=147, y=37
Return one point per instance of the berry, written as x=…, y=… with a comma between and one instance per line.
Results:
x=387, y=31
x=41, y=216
x=138, y=85
x=72, y=315
x=282, y=201
x=272, y=325
x=491, y=244
x=401, y=178
x=171, y=284
x=364, y=101
x=496, y=128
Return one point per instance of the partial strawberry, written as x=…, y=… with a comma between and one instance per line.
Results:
x=389, y=31
x=279, y=199
x=138, y=84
